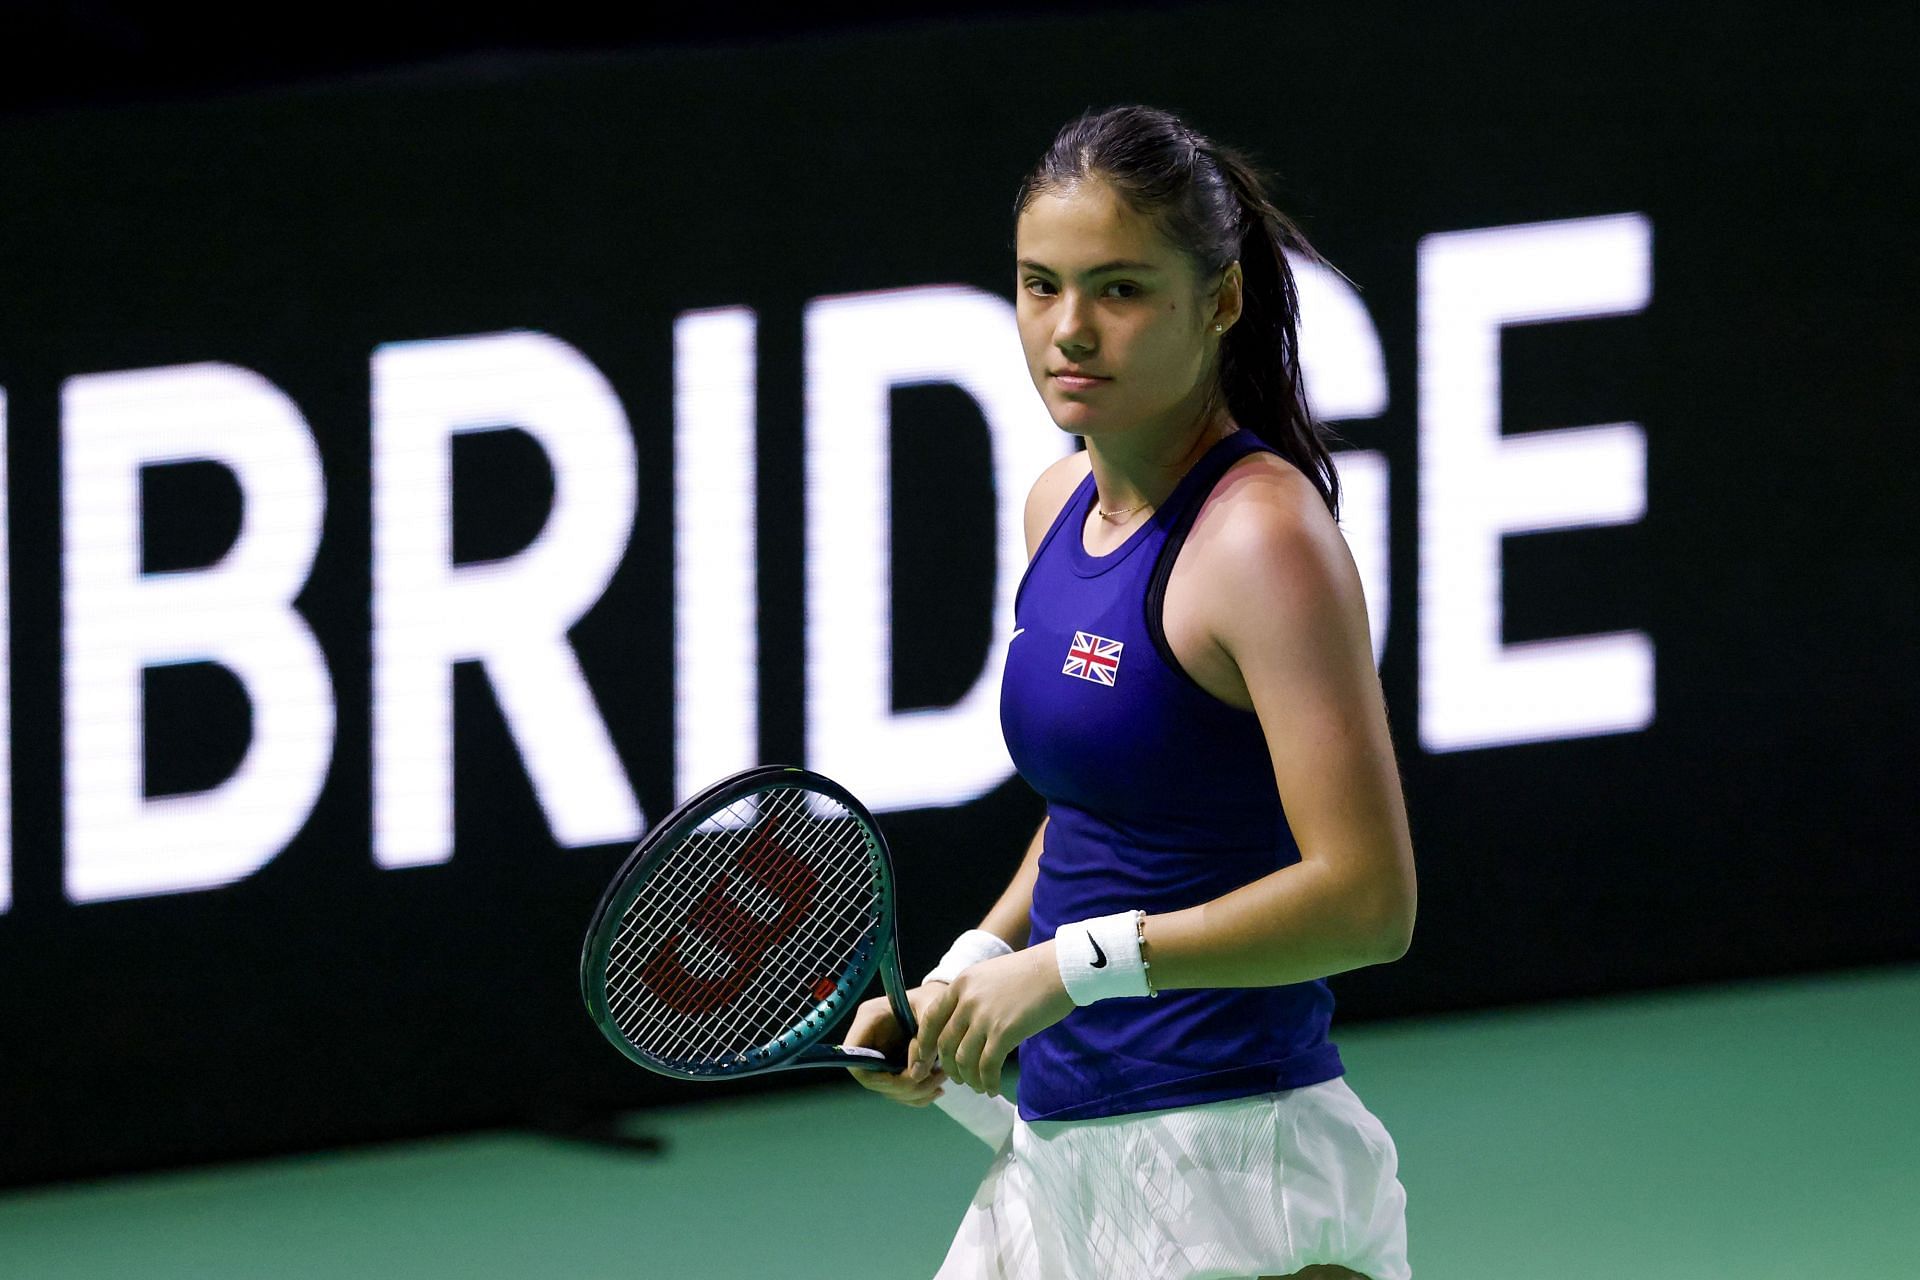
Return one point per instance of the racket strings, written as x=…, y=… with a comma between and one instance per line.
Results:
x=776, y=879
x=665, y=899
x=789, y=901
x=786, y=986
x=790, y=983
x=713, y=849
x=677, y=886
x=799, y=977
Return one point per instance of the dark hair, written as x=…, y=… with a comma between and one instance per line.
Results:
x=1211, y=202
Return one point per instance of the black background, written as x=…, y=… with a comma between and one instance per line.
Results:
x=1761, y=825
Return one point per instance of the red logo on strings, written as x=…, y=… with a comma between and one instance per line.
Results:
x=741, y=936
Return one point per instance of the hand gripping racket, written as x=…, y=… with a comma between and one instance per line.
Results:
x=744, y=927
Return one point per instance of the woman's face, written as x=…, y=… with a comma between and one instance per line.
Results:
x=1099, y=291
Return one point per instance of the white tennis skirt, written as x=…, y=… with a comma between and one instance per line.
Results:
x=1255, y=1186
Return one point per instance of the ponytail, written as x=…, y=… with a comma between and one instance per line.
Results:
x=1260, y=355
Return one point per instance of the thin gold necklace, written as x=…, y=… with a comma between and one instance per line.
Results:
x=1104, y=514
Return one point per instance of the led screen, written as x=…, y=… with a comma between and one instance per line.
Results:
x=415, y=487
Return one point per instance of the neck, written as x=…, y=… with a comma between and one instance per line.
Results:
x=1140, y=468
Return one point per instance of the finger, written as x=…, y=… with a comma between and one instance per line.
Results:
x=906, y=1097
x=927, y=1040
x=878, y=1081
x=917, y=1048
x=905, y=1081
x=868, y=1028
x=950, y=1038
x=993, y=1057
x=896, y=1085
x=915, y=1093
x=920, y=1054
x=925, y=1091
x=964, y=1064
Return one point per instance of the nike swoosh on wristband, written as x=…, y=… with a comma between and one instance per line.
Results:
x=1099, y=956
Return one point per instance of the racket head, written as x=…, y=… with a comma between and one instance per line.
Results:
x=743, y=928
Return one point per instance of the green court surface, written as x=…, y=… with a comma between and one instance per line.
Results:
x=1755, y=1131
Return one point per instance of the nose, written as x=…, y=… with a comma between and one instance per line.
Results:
x=1073, y=330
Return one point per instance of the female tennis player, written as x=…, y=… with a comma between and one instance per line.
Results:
x=1190, y=686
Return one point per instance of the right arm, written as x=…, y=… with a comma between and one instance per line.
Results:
x=873, y=1024
x=1008, y=919
x=875, y=1027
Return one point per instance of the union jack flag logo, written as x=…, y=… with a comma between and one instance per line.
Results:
x=1093, y=658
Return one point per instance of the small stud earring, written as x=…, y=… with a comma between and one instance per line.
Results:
x=1216, y=328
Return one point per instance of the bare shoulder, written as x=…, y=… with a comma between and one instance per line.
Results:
x=1264, y=538
x=1050, y=492
x=1262, y=497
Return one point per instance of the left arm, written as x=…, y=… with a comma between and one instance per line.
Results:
x=1296, y=630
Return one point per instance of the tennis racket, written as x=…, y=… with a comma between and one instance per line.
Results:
x=747, y=924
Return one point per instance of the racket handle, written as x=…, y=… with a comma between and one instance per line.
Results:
x=986, y=1117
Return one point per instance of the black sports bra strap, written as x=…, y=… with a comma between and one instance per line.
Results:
x=1206, y=474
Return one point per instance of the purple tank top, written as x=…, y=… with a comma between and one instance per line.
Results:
x=1159, y=796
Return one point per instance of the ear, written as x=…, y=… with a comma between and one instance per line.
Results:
x=1227, y=298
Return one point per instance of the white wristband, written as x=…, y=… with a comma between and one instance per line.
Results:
x=969, y=948
x=1100, y=958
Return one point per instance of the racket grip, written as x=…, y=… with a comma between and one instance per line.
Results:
x=986, y=1117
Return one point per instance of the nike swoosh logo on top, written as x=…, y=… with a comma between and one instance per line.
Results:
x=1099, y=956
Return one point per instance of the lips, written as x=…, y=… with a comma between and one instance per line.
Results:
x=1077, y=381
